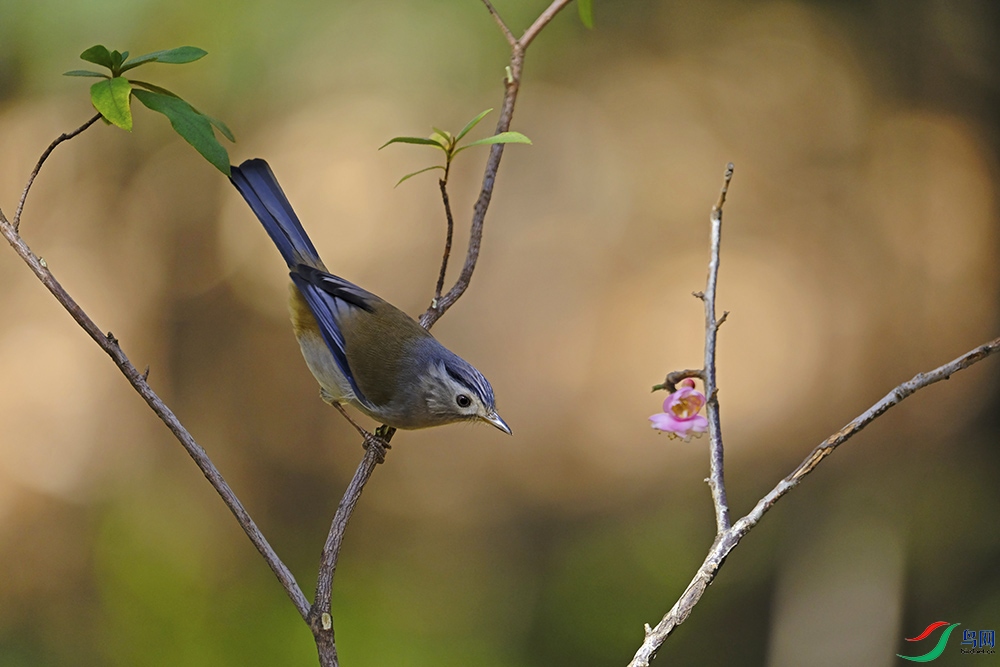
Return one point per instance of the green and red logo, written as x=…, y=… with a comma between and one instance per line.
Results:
x=938, y=649
x=973, y=641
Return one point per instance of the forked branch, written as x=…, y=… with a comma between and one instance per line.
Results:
x=727, y=536
x=512, y=83
x=320, y=617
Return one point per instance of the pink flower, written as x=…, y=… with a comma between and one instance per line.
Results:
x=680, y=418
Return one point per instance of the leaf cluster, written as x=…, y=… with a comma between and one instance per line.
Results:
x=112, y=97
x=448, y=143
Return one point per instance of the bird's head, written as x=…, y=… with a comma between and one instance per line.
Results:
x=455, y=391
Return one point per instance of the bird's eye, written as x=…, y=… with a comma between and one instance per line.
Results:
x=463, y=401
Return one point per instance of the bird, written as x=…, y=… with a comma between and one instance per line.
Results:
x=361, y=349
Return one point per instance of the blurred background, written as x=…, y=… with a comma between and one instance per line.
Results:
x=860, y=247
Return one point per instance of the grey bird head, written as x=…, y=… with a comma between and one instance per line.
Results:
x=453, y=390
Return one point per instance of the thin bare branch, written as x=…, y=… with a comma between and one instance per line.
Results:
x=109, y=344
x=543, y=20
x=320, y=619
x=503, y=26
x=725, y=542
x=447, y=241
x=34, y=172
x=716, y=478
x=670, y=382
x=725, y=188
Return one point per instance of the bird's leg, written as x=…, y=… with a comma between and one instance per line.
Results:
x=375, y=442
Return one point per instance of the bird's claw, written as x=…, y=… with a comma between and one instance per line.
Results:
x=377, y=446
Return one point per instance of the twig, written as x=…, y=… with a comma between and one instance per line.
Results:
x=447, y=242
x=109, y=344
x=891, y=399
x=543, y=20
x=670, y=382
x=34, y=172
x=716, y=479
x=503, y=26
x=320, y=618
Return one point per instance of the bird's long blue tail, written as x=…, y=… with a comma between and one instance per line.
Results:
x=256, y=182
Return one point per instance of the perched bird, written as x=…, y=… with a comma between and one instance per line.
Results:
x=361, y=349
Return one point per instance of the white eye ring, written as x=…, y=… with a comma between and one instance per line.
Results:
x=463, y=401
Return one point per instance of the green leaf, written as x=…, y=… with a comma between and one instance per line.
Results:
x=471, y=124
x=412, y=140
x=111, y=98
x=178, y=56
x=116, y=61
x=191, y=125
x=99, y=55
x=220, y=126
x=443, y=140
x=85, y=72
x=586, y=9
x=502, y=138
x=408, y=176
x=153, y=87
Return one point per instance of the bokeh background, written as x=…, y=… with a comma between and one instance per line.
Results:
x=860, y=247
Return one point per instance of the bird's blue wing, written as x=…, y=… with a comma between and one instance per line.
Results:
x=337, y=287
x=330, y=298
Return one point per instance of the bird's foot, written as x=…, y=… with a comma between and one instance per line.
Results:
x=376, y=443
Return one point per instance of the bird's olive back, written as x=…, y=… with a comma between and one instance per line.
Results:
x=379, y=347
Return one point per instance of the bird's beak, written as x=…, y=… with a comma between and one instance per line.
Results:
x=494, y=418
